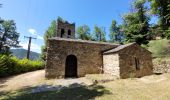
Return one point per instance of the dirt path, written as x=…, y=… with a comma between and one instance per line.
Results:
x=23, y=80
x=36, y=78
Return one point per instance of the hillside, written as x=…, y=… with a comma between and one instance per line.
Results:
x=159, y=48
x=22, y=53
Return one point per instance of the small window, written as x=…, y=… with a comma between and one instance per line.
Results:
x=62, y=33
x=137, y=64
x=69, y=34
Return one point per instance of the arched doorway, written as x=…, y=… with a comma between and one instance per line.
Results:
x=71, y=66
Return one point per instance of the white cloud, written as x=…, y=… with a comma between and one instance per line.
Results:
x=34, y=47
x=40, y=37
x=34, y=32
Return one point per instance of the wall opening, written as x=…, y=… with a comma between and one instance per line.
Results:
x=71, y=66
x=69, y=34
x=137, y=64
x=62, y=33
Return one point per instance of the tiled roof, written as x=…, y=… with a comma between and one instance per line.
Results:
x=118, y=48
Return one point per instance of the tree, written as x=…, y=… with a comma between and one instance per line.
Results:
x=136, y=24
x=113, y=31
x=168, y=15
x=99, y=34
x=51, y=32
x=8, y=36
x=116, y=35
x=167, y=32
x=83, y=32
x=160, y=9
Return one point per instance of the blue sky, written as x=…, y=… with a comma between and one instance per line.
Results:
x=33, y=17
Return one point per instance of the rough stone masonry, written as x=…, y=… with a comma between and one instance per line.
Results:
x=69, y=57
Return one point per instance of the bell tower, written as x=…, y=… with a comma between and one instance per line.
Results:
x=65, y=29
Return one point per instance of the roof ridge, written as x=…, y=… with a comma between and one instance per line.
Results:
x=119, y=48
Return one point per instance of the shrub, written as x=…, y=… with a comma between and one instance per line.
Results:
x=10, y=65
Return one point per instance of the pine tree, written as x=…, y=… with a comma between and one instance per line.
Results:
x=136, y=24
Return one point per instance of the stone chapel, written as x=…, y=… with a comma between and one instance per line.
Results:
x=70, y=57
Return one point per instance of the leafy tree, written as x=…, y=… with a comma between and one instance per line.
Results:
x=116, y=35
x=168, y=15
x=8, y=35
x=83, y=32
x=167, y=32
x=51, y=32
x=136, y=24
x=156, y=31
x=99, y=34
x=160, y=8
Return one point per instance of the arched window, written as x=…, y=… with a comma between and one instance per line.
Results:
x=62, y=33
x=69, y=34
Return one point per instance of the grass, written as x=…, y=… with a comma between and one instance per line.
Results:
x=155, y=87
x=160, y=48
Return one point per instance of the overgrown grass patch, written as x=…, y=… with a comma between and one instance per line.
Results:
x=160, y=48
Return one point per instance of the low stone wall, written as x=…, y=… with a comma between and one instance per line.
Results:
x=161, y=66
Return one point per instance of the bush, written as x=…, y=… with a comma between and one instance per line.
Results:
x=10, y=65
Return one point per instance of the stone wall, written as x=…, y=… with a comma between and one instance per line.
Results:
x=88, y=53
x=128, y=65
x=161, y=66
x=111, y=65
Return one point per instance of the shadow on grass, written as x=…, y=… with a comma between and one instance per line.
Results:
x=68, y=93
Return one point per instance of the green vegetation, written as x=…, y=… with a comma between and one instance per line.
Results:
x=116, y=35
x=8, y=36
x=10, y=65
x=160, y=48
x=136, y=23
x=51, y=32
x=83, y=32
x=161, y=9
x=99, y=34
